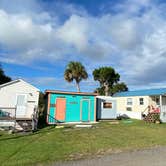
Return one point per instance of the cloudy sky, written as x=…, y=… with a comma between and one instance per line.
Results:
x=39, y=37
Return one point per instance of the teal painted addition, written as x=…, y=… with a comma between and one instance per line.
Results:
x=85, y=110
x=52, y=115
x=79, y=108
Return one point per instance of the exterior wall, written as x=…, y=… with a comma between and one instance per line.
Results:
x=106, y=113
x=73, y=112
x=137, y=109
x=8, y=96
x=163, y=109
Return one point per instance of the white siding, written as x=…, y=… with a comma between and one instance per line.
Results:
x=106, y=113
x=136, y=108
x=132, y=114
x=8, y=96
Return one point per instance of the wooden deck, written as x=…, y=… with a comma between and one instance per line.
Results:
x=13, y=118
x=7, y=118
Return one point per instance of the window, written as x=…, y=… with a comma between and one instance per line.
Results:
x=128, y=109
x=141, y=101
x=129, y=101
x=107, y=105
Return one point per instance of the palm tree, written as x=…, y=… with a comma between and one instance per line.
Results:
x=75, y=71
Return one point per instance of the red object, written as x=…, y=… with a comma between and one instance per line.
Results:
x=60, y=109
x=155, y=110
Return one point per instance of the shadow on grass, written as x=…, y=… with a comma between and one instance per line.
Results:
x=26, y=144
x=26, y=134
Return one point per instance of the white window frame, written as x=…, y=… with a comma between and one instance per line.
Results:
x=129, y=103
x=141, y=102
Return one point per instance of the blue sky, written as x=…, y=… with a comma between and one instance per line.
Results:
x=39, y=37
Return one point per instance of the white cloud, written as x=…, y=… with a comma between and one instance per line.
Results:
x=132, y=38
x=26, y=40
x=29, y=40
x=74, y=31
x=60, y=84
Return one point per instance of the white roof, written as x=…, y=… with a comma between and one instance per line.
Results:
x=18, y=80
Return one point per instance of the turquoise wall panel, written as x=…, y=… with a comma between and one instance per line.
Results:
x=52, y=115
x=52, y=99
x=92, y=110
x=85, y=110
x=73, y=107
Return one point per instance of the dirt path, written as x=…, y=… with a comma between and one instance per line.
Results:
x=150, y=157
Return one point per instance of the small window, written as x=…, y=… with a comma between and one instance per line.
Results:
x=128, y=109
x=107, y=105
x=141, y=101
x=129, y=101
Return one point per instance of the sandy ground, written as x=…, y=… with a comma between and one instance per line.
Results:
x=149, y=157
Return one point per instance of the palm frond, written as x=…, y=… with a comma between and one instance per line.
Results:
x=75, y=71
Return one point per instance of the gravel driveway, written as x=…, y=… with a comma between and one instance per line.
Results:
x=149, y=157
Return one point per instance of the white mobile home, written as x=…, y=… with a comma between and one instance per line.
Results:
x=106, y=107
x=136, y=103
x=18, y=101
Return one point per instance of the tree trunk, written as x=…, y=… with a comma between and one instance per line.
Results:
x=106, y=88
x=78, y=86
x=106, y=91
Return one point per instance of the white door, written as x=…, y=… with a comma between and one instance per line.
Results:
x=21, y=104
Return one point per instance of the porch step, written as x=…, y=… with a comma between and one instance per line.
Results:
x=26, y=125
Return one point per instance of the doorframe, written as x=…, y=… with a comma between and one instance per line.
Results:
x=88, y=109
x=56, y=108
x=26, y=99
x=17, y=94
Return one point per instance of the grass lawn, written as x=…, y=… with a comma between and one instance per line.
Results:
x=51, y=144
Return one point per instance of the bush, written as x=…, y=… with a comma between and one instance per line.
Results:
x=42, y=111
